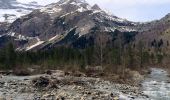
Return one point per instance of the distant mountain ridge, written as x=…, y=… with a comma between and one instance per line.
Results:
x=75, y=23
x=65, y=22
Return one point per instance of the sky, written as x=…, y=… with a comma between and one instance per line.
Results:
x=133, y=10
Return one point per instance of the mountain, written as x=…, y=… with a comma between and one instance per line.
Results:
x=67, y=22
x=77, y=24
x=96, y=7
x=10, y=10
x=155, y=33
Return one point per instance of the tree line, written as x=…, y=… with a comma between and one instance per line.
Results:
x=116, y=56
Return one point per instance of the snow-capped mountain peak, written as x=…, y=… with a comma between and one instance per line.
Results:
x=66, y=21
x=96, y=7
x=65, y=7
x=71, y=1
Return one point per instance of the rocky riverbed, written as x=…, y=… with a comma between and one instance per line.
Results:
x=58, y=85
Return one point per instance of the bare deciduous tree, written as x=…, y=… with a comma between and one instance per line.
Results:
x=101, y=43
x=141, y=51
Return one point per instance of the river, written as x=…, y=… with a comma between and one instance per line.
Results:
x=157, y=85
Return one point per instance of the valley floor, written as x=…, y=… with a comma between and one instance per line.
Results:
x=59, y=86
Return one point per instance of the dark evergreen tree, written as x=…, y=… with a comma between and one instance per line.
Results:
x=10, y=56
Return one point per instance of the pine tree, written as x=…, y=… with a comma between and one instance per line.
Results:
x=10, y=56
x=141, y=51
x=130, y=54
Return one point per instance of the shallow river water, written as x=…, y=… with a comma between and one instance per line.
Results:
x=157, y=85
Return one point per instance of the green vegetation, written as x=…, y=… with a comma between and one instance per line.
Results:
x=71, y=58
x=115, y=56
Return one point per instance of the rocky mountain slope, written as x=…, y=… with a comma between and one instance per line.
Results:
x=76, y=23
x=72, y=22
x=10, y=10
x=155, y=33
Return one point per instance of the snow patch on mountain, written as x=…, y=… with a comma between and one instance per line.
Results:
x=35, y=45
x=76, y=2
x=68, y=14
x=96, y=11
x=53, y=38
x=51, y=10
x=81, y=9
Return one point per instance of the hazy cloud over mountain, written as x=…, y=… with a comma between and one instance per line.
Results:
x=135, y=10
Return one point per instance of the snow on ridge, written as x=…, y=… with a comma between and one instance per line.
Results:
x=81, y=9
x=108, y=16
x=96, y=11
x=67, y=14
x=21, y=37
x=77, y=2
x=18, y=37
x=35, y=45
x=53, y=38
x=74, y=3
x=51, y=10
x=11, y=34
x=121, y=29
x=126, y=29
x=114, y=19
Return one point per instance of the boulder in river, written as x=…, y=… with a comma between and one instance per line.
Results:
x=135, y=76
x=41, y=82
x=45, y=82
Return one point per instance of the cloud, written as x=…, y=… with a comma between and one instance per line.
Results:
x=42, y=2
x=135, y=10
x=131, y=2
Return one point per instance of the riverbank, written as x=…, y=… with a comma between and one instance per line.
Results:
x=58, y=85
